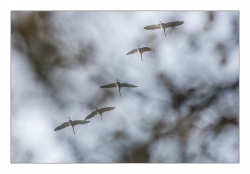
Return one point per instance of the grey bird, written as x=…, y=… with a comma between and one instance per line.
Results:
x=71, y=124
x=99, y=111
x=163, y=26
x=140, y=50
x=118, y=85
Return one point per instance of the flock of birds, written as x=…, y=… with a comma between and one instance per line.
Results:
x=119, y=85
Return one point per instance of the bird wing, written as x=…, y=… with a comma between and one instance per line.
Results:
x=127, y=85
x=111, y=85
x=172, y=24
x=106, y=109
x=66, y=124
x=91, y=115
x=76, y=122
x=132, y=51
x=147, y=49
x=152, y=27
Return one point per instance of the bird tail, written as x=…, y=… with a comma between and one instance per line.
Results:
x=141, y=58
x=165, y=32
x=74, y=130
x=120, y=92
x=101, y=117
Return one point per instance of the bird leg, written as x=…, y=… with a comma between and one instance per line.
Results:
x=120, y=92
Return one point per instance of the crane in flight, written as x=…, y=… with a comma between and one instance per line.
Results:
x=163, y=26
x=140, y=50
x=118, y=85
x=71, y=124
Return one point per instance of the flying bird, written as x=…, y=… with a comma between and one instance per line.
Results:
x=140, y=50
x=99, y=111
x=118, y=85
x=163, y=26
x=71, y=124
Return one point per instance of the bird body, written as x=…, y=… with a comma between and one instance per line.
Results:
x=140, y=50
x=118, y=85
x=163, y=26
x=99, y=112
x=71, y=124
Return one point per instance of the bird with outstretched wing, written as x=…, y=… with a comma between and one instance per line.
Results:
x=118, y=85
x=71, y=124
x=99, y=111
x=163, y=26
x=140, y=50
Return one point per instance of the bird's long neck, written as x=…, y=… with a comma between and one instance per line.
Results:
x=96, y=109
x=139, y=48
x=118, y=84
